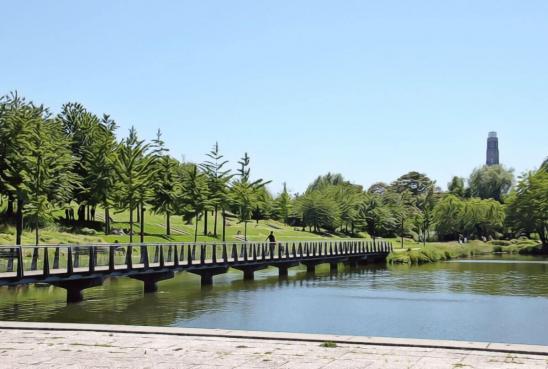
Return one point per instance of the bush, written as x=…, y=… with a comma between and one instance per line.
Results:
x=500, y=243
x=88, y=231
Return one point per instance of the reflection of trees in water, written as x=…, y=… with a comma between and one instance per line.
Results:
x=488, y=278
x=121, y=300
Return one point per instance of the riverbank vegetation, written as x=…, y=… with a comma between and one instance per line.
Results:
x=66, y=176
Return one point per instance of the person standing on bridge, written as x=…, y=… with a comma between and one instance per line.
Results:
x=272, y=241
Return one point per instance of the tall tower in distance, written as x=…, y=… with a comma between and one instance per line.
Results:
x=492, y=149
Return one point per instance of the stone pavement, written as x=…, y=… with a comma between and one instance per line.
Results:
x=24, y=348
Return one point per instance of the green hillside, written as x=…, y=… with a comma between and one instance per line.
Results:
x=155, y=231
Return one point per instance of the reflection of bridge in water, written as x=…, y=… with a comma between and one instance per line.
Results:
x=77, y=267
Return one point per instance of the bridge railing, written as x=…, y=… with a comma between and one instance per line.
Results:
x=46, y=260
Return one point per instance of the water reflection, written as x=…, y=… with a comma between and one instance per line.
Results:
x=493, y=299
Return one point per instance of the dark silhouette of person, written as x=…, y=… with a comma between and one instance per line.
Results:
x=272, y=241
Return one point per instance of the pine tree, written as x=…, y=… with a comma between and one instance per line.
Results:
x=165, y=186
x=218, y=180
x=133, y=169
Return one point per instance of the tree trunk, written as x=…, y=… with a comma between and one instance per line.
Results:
x=88, y=213
x=107, y=221
x=245, y=231
x=131, y=225
x=19, y=222
x=224, y=225
x=215, y=221
x=142, y=233
x=196, y=228
x=138, y=214
x=205, y=222
x=9, y=209
x=37, y=233
x=168, y=225
x=81, y=213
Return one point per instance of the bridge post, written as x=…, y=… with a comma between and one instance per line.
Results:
x=20, y=266
x=333, y=267
x=129, y=258
x=10, y=260
x=70, y=267
x=111, y=267
x=34, y=262
x=175, y=256
x=91, y=263
x=45, y=271
x=225, y=254
x=56, y=259
x=162, y=261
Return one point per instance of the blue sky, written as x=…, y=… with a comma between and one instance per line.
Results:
x=370, y=89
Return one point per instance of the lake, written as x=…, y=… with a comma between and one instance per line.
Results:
x=493, y=299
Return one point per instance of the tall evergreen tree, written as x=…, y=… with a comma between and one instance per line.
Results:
x=133, y=169
x=165, y=186
x=218, y=180
x=244, y=192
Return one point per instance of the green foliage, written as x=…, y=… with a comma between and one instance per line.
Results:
x=318, y=211
x=456, y=186
x=414, y=182
x=527, y=210
x=491, y=182
x=283, y=205
x=245, y=194
x=439, y=252
x=471, y=217
x=134, y=168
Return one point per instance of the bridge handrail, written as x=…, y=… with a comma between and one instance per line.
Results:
x=217, y=243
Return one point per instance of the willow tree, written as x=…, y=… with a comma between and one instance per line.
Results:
x=491, y=182
x=528, y=206
x=133, y=170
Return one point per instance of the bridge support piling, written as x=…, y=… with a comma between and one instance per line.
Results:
x=249, y=270
x=75, y=286
x=207, y=274
x=249, y=274
x=283, y=267
x=334, y=267
x=151, y=278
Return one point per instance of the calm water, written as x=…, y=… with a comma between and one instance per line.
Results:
x=493, y=299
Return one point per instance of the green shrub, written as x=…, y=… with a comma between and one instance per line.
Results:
x=88, y=231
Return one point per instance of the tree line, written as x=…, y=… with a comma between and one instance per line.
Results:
x=50, y=162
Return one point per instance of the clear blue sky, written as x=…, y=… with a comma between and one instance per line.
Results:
x=371, y=89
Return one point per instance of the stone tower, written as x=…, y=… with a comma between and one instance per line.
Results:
x=492, y=149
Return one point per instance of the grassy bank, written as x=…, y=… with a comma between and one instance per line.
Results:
x=155, y=231
x=439, y=251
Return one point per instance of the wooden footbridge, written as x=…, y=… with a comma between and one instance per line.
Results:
x=77, y=267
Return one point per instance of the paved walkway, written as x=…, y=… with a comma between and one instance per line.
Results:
x=112, y=348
